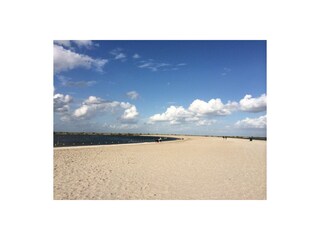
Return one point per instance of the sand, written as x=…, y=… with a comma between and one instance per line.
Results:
x=193, y=168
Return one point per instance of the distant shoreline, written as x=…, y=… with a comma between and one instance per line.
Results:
x=89, y=139
x=157, y=134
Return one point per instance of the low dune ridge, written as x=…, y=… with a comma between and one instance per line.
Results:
x=198, y=168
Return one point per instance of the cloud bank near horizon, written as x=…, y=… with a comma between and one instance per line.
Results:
x=200, y=111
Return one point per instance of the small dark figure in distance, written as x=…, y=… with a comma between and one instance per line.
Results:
x=251, y=139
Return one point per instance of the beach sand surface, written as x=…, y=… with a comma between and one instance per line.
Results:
x=193, y=168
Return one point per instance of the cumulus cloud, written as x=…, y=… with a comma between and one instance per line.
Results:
x=93, y=100
x=61, y=103
x=259, y=122
x=174, y=115
x=65, y=59
x=250, y=104
x=213, y=107
x=82, y=111
x=94, y=105
x=130, y=115
x=198, y=112
x=132, y=95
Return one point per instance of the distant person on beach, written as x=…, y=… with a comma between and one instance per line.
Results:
x=250, y=139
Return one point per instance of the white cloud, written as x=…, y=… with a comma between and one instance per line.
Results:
x=145, y=65
x=98, y=64
x=232, y=106
x=61, y=102
x=65, y=43
x=82, y=111
x=205, y=122
x=65, y=60
x=260, y=122
x=136, y=56
x=213, y=107
x=197, y=112
x=118, y=54
x=130, y=114
x=173, y=115
x=79, y=43
x=200, y=111
x=67, y=82
x=89, y=107
x=93, y=100
x=85, y=43
x=250, y=104
x=133, y=95
x=156, y=66
x=94, y=105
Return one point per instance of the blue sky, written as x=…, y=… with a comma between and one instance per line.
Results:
x=183, y=87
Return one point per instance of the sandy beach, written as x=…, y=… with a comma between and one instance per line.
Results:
x=193, y=168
